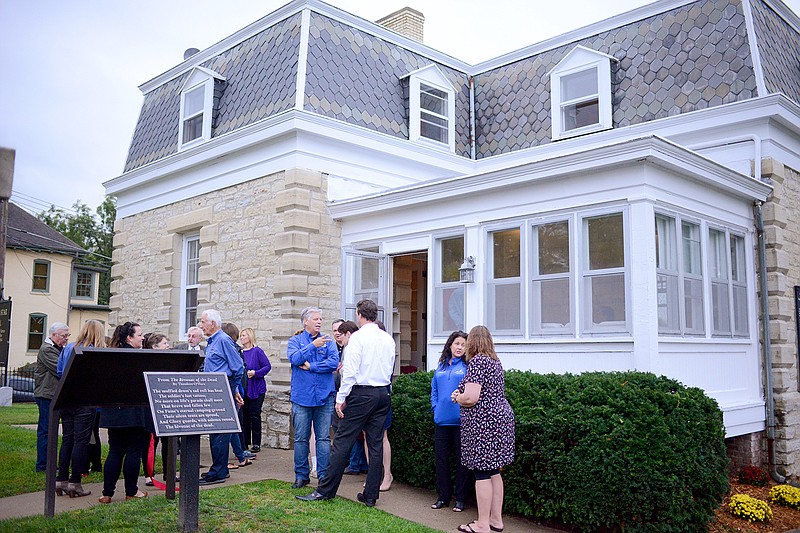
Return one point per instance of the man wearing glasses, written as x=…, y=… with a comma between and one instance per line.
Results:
x=45, y=381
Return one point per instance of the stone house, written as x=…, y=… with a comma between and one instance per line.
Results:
x=611, y=196
x=48, y=281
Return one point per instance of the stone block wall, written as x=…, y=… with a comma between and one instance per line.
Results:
x=268, y=249
x=783, y=273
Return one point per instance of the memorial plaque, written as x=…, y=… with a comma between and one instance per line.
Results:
x=191, y=403
x=5, y=329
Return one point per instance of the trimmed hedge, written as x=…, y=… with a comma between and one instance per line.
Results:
x=625, y=450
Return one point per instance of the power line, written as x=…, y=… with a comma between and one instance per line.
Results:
x=32, y=200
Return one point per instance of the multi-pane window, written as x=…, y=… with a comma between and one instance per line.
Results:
x=604, y=273
x=551, y=299
x=36, y=328
x=504, y=284
x=682, y=287
x=84, y=284
x=449, y=292
x=191, y=271
x=580, y=101
x=433, y=120
x=193, y=114
x=41, y=276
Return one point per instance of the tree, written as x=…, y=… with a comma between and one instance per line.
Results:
x=92, y=232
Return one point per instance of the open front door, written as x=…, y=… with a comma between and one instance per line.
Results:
x=364, y=275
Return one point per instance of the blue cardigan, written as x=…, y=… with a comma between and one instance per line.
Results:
x=445, y=380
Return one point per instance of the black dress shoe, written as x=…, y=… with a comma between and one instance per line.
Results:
x=208, y=480
x=369, y=502
x=299, y=483
x=313, y=497
x=349, y=472
x=439, y=504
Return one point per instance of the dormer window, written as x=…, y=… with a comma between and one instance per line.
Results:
x=431, y=108
x=580, y=93
x=199, y=96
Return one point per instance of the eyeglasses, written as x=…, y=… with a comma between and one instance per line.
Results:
x=65, y=335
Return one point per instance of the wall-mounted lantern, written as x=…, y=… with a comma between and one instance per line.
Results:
x=467, y=270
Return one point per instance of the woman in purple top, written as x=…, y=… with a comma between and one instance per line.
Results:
x=258, y=366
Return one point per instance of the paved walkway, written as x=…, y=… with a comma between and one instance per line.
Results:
x=402, y=500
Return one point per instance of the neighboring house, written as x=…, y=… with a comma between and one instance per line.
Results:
x=609, y=184
x=47, y=283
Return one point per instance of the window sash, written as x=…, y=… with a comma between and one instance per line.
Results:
x=448, y=302
x=190, y=281
x=504, y=282
x=41, y=276
x=604, y=297
x=84, y=284
x=551, y=278
x=37, y=324
x=433, y=120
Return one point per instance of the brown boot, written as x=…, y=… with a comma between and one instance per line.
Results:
x=75, y=490
x=61, y=487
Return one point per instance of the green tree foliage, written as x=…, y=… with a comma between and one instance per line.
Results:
x=93, y=232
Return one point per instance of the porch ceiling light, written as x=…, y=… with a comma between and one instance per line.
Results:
x=467, y=270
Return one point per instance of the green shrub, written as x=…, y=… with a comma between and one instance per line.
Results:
x=624, y=450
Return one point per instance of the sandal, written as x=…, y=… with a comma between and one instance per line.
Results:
x=232, y=466
x=458, y=507
x=439, y=504
x=246, y=462
x=104, y=499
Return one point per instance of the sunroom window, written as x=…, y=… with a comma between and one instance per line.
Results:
x=449, y=292
x=551, y=280
x=504, y=284
x=604, y=274
x=580, y=93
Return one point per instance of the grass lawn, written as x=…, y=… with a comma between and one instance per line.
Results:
x=18, y=473
x=261, y=506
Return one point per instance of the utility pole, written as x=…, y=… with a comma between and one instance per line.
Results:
x=6, y=179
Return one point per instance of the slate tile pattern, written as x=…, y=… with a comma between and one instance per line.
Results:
x=260, y=74
x=357, y=78
x=689, y=58
x=779, y=49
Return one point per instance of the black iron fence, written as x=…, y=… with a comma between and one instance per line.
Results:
x=21, y=381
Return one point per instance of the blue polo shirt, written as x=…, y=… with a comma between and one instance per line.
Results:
x=311, y=388
x=223, y=356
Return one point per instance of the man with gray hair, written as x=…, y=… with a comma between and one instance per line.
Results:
x=194, y=336
x=314, y=358
x=45, y=380
x=221, y=356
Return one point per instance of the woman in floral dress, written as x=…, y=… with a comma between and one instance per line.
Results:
x=487, y=428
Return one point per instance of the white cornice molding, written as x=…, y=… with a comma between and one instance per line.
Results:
x=653, y=149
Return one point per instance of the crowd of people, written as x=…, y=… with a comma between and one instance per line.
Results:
x=341, y=410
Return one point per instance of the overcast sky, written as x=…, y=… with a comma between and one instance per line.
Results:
x=70, y=69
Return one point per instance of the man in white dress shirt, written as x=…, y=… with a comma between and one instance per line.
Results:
x=362, y=404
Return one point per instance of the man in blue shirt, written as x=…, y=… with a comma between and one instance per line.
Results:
x=221, y=356
x=314, y=358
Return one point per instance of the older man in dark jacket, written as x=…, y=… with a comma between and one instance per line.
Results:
x=45, y=380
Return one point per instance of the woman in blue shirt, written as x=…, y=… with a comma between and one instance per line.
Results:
x=447, y=418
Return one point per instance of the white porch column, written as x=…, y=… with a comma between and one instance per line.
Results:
x=643, y=298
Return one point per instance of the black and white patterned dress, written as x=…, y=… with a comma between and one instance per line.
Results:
x=487, y=428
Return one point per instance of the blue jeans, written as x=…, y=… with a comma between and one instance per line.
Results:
x=41, y=433
x=236, y=446
x=358, y=458
x=302, y=418
x=219, y=455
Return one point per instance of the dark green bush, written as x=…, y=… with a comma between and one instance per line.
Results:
x=626, y=451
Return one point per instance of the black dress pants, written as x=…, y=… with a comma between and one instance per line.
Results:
x=447, y=447
x=365, y=410
x=125, y=447
x=76, y=428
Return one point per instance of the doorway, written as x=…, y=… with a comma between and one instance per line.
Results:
x=410, y=309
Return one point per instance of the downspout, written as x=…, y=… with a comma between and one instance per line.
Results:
x=472, y=117
x=767, y=348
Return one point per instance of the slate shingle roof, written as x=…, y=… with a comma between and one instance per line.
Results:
x=692, y=57
x=779, y=48
x=27, y=232
x=358, y=78
x=260, y=74
x=689, y=58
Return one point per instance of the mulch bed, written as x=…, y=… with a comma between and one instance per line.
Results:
x=783, y=518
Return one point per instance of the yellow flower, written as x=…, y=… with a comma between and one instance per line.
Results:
x=751, y=509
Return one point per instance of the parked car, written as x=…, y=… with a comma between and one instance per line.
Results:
x=22, y=388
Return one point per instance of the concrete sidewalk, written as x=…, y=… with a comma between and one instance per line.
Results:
x=402, y=500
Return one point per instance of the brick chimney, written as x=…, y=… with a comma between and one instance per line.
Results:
x=407, y=22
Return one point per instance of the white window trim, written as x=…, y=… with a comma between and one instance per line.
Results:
x=433, y=77
x=578, y=60
x=439, y=285
x=588, y=329
x=184, y=286
x=199, y=77
x=521, y=279
x=534, y=319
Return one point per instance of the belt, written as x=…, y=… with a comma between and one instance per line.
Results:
x=362, y=387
